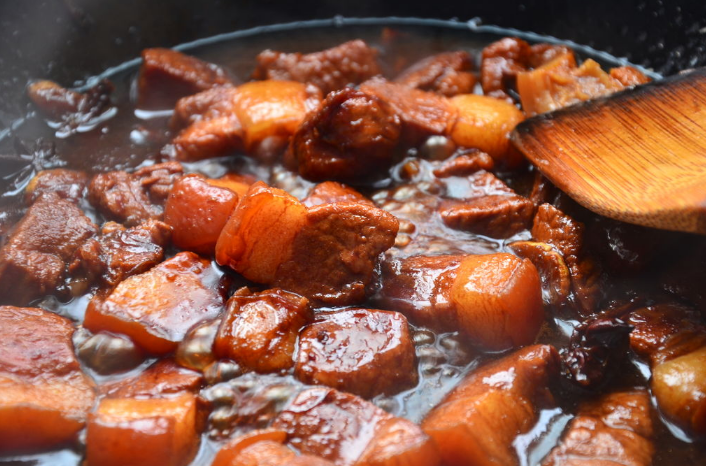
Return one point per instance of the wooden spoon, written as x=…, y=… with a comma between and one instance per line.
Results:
x=638, y=155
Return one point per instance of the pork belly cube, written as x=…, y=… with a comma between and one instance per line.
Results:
x=446, y=73
x=348, y=431
x=34, y=259
x=498, y=300
x=120, y=252
x=198, y=211
x=466, y=163
x=260, y=330
x=44, y=396
x=349, y=63
x=329, y=192
x=257, y=117
x=479, y=420
x=420, y=288
x=350, y=349
x=165, y=377
x=263, y=447
x=326, y=253
x=617, y=426
x=157, y=308
x=167, y=75
x=143, y=432
x=67, y=184
x=229, y=454
x=497, y=216
x=495, y=299
x=157, y=180
x=423, y=114
x=352, y=137
x=485, y=123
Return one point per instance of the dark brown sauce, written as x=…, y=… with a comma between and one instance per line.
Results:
x=131, y=139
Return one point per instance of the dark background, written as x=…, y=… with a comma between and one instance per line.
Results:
x=68, y=40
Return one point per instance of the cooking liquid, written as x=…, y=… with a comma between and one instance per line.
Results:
x=130, y=138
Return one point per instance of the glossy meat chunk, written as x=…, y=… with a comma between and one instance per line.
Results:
x=257, y=117
x=164, y=377
x=352, y=137
x=553, y=227
x=673, y=340
x=445, y=73
x=67, y=184
x=259, y=330
x=423, y=114
x=197, y=211
x=158, y=307
x=167, y=75
x=263, y=447
x=350, y=349
x=420, y=288
x=485, y=123
x=494, y=300
x=143, y=432
x=35, y=256
x=464, y=164
x=616, y=430
x=503, y=60
x=44, y=396
x=326, y=252
x=478, y=421
x=347, y=431
x=497, y=216
x=498, y=300
x=330, y=70
x=229, y=454
x=120, y=252
x=555, y=275
x=560, y=83
x=157, y=180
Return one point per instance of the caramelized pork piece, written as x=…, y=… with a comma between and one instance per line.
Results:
x=326, y=252
x=44, y=396
x=257, y=117
x=329, y=192
x=673, y=340
x=260, y=330
x=158, y=307
x=560, y=83
x=264, y=447
x=132, y=198
x=120, y=252
x=423, y=114
x=497, y=216
x=34, y=259
x=493, y=299
x=616, y=430
x=157, y=180
x=69, y=108
x=352, y=137
x=479, y=420
x=197, y=211
x=67, y=184
x=553, y=227
x=447, y=74
x=164, y=377
x=503, y=60
x=350, y=349
x=347, y=431
x=167, y=75
x=467, y=162
x=143, y=432
x=330, y=70
x=485, y=123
